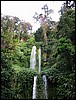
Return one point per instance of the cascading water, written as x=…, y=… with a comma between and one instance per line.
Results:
x=34, y=88
x=33, y=58
x=32, y=66
x=45, y=86
x=43, y=77
x=39, y=55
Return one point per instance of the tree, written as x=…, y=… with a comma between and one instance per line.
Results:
x=67, y=5
x=18, y=29
x=44, y=20
x=66, y=27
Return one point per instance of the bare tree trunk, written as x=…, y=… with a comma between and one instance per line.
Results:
x=45, y=40
x=44, y=31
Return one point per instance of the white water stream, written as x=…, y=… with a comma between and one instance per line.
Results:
x=33, y=58
x=45, y=86
x=34, y=88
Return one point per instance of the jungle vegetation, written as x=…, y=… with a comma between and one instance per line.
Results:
x=59, y=66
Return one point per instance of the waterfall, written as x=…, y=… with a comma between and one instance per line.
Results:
x=34, y=88
x=45, y=86
x=39, y=55
x=33, y=58
x=32, y=66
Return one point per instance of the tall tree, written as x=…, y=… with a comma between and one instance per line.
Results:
x=44, y=20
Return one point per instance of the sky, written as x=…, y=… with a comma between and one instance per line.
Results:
x=25, y=10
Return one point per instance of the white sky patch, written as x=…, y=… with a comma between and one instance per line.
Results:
x=25, y=10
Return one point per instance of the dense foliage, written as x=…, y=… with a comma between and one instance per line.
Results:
x=60, y=64
x=59, y=67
